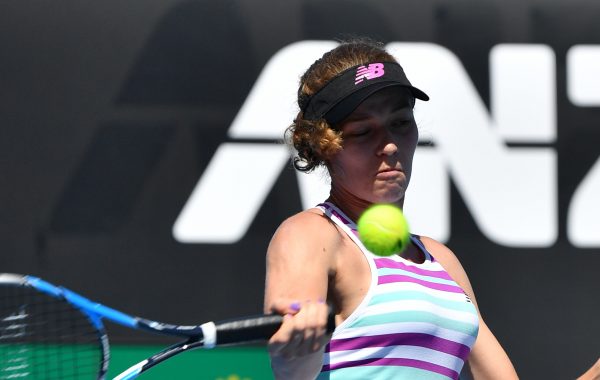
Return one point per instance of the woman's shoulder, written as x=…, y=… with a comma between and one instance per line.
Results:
x=308, y=221
x=311, y=223
x=301, y=235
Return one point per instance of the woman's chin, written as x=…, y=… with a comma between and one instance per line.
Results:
x=396, y=197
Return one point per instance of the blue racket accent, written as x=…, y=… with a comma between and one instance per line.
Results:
x=44, y=286
x=100, y=310
x=94, y=310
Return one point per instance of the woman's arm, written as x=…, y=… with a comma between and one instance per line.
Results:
x=299, y=263
x=487, y=360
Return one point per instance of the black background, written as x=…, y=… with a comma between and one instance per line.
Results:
x=110, y=111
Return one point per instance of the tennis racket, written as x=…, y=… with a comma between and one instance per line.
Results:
x=50, y=332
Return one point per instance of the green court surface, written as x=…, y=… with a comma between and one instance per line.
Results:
x=230, y=363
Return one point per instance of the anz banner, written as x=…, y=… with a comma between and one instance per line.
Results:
x=142, y=162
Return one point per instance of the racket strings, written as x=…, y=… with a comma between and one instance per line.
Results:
x=42, y=337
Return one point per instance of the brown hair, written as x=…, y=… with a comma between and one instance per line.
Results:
x=317, y=141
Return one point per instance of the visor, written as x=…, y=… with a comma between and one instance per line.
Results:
x=342, y=94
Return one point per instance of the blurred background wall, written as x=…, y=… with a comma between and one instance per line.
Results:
x=111, y=112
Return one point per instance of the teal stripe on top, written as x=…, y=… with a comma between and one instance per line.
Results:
x=422, y=296
x=380, y=372
x=412, y=316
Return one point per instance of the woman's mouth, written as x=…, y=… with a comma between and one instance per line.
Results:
x=390, y=173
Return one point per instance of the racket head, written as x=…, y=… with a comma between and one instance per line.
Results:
x=43, y=336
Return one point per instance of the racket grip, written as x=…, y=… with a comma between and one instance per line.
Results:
x=255, y=328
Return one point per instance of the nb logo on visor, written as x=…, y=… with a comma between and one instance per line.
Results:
x=375, y=70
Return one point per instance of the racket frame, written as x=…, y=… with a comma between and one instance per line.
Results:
x=207, y=335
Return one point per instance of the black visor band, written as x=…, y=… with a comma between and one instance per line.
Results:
x=342, y=94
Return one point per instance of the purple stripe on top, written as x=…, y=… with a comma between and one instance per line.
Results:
x=388, y=279
x=393, y=264
x=405, y=339
x=395, y=362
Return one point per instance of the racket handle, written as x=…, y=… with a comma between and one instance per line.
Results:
x=239, y=330
x=249, y=329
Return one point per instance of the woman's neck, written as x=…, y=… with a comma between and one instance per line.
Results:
x=349, y=203
x=354, y=206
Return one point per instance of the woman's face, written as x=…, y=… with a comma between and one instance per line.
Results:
x=379, y=141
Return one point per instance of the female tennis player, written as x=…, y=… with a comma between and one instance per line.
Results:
x=407, y=316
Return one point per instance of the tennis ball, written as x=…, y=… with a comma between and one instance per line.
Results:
x=383, y=229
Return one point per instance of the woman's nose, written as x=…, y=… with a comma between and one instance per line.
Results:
x=389, y=145
x=389, y=148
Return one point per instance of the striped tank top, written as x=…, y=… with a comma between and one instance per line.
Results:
x=414, y=323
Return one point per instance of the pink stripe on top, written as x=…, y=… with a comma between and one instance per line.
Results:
x=391, y=278
x=412, y=339
x=383, y=262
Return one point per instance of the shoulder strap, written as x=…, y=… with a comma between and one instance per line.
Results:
x=340, y=219
x=416, y=239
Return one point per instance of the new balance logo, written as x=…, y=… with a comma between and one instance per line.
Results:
x=375, y=70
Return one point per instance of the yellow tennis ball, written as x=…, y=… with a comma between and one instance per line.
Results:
x=383, y=229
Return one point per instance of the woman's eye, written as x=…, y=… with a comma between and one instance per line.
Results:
x=356, y=135
x=402, y=123
x=357, y=132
